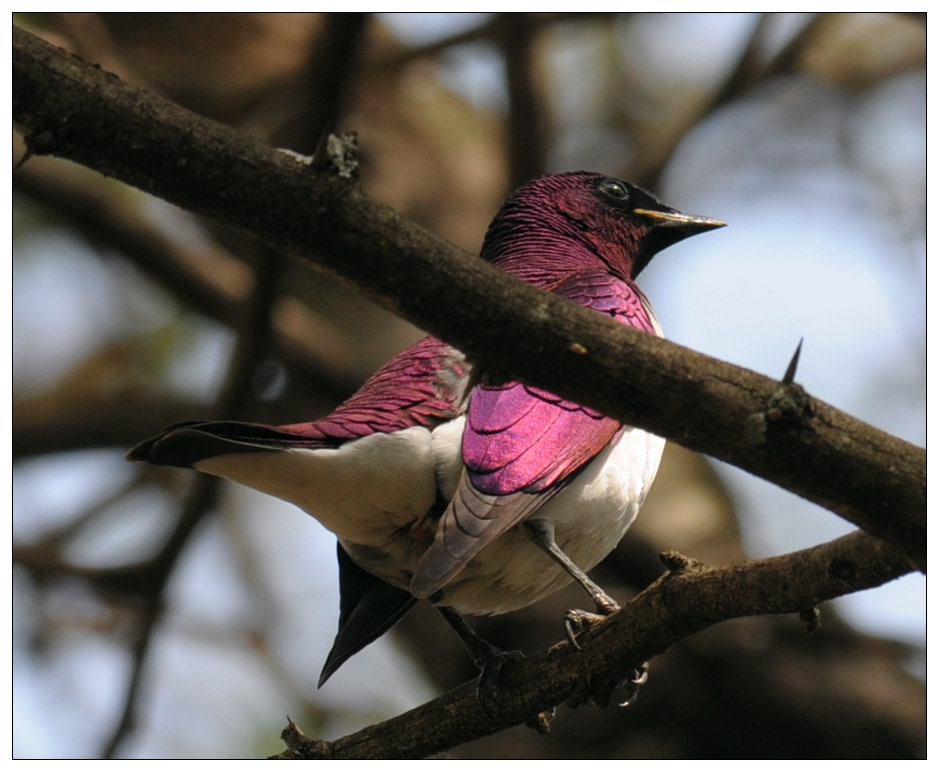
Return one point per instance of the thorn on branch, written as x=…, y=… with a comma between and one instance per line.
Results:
x=299, y=746
x=320, y=160
x=790, y=373
x=292, y=735
x=788, y=404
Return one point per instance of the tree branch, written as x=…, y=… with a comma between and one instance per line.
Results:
x=748, y=72
x=488, y=31
x=689, y=598
x=218, y=285
x=527, y=124
x=324, y=84
x=42, y=425
x=68, y=108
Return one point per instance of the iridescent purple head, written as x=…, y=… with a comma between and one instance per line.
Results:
x=579, y=220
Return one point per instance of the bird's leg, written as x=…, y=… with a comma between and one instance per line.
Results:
x=541, y=532
x=489, y=659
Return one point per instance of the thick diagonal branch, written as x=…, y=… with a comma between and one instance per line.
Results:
x=68, y=108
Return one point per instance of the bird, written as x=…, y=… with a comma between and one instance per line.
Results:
x=480, y=497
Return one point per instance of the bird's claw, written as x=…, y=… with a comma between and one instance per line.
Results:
x=487, y=685
x=632, y=683
x=577, y=620
x=601, y=690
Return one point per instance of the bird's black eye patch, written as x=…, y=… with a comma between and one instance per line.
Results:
x=613, y=191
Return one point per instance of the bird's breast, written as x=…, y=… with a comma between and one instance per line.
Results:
x=590, y=516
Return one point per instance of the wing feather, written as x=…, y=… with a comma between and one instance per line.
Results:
x=522, y=444
x=422, y=386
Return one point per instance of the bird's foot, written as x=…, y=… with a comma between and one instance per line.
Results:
x=488, y=686
x=490, y=664
x=489, y=659
x=632, y=682
x=576, y=621
x=600, y=691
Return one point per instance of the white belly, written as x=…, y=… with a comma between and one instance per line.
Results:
x=371, y=491
x=365, y=491
x=590, y=517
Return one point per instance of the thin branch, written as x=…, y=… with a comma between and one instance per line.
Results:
x=746, y=73
x=43, y=425
x=201, y=499
x=788, y=57
x=325, y=83
x=527, y=130
x=488, y=31
x=68, y=108
x=684, y=601
x=254, y=337
x=219, y=288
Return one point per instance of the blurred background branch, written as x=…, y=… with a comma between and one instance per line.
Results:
x=870, y=478
x=126, y=310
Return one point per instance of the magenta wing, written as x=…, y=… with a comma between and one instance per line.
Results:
x=521, y=445
x=522, y=439
x=422, y=386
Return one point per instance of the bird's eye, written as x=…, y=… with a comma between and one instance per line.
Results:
x=613, y=190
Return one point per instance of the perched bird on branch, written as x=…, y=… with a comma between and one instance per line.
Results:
x=479, y=497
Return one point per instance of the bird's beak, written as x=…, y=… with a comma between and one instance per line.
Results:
x=687, y=224
x=668, y=228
